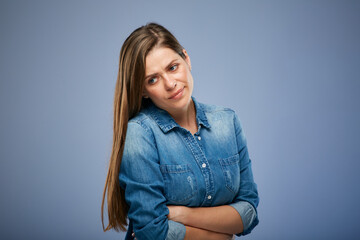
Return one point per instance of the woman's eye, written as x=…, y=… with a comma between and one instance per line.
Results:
x=152, y=80
x=173, y=67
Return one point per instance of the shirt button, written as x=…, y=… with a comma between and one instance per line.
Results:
x=209, y=197
x=199, y=138
x=204, y=165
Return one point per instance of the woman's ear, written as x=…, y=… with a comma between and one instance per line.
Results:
x=187, y=58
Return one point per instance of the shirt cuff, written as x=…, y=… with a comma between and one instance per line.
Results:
x=246, y=211
x=176, y=231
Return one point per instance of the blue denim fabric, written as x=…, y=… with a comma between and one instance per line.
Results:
x=164, y=164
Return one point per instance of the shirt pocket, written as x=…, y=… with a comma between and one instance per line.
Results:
x=180, y=183
x=231, y=171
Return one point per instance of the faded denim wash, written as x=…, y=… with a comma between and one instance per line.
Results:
x=164, y=164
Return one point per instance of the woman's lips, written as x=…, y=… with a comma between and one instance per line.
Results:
x=177, y=94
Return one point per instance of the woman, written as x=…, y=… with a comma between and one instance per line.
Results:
x=179, y=169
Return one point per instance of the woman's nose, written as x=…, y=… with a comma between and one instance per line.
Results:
x=169, y=82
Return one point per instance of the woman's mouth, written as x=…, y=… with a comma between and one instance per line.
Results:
x=177, y=94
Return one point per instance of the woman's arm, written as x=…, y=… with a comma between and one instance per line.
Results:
x=199, y=234
x=221, y=219
x=142, y=181
x=202, y=234
x=247, y=198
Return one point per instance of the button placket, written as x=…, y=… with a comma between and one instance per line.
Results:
x=193, y=141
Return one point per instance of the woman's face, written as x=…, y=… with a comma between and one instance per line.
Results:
x=168, y=80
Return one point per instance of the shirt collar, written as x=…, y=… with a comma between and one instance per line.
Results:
x=166, y=122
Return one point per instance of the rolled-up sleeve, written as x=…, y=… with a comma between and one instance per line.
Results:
x=176, y=231
x=247, y=213
x=142, y=181
x=247, y=199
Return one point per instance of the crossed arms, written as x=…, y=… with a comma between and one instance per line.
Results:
x=207, y=222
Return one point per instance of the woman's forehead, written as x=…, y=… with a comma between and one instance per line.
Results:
x=160, y=57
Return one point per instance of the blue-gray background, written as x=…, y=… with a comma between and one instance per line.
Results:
x=290, y=69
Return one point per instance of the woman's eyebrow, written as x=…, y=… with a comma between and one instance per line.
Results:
x=167, y=67
x=151, y=75
x=171, y=63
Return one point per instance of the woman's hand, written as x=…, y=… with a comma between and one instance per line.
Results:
x=178, y=213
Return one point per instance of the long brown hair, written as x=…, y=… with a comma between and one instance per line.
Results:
x=128, y=102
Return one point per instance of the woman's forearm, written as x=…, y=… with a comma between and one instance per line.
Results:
x=202, y=234
x=221, y=219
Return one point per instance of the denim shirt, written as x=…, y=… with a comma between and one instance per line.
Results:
x=164, y=164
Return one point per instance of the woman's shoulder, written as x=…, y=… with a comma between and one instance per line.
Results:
x=140, y=122
x=216, y=110
x=139, y=118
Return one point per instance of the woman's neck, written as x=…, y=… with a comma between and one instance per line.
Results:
x=187, y=118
